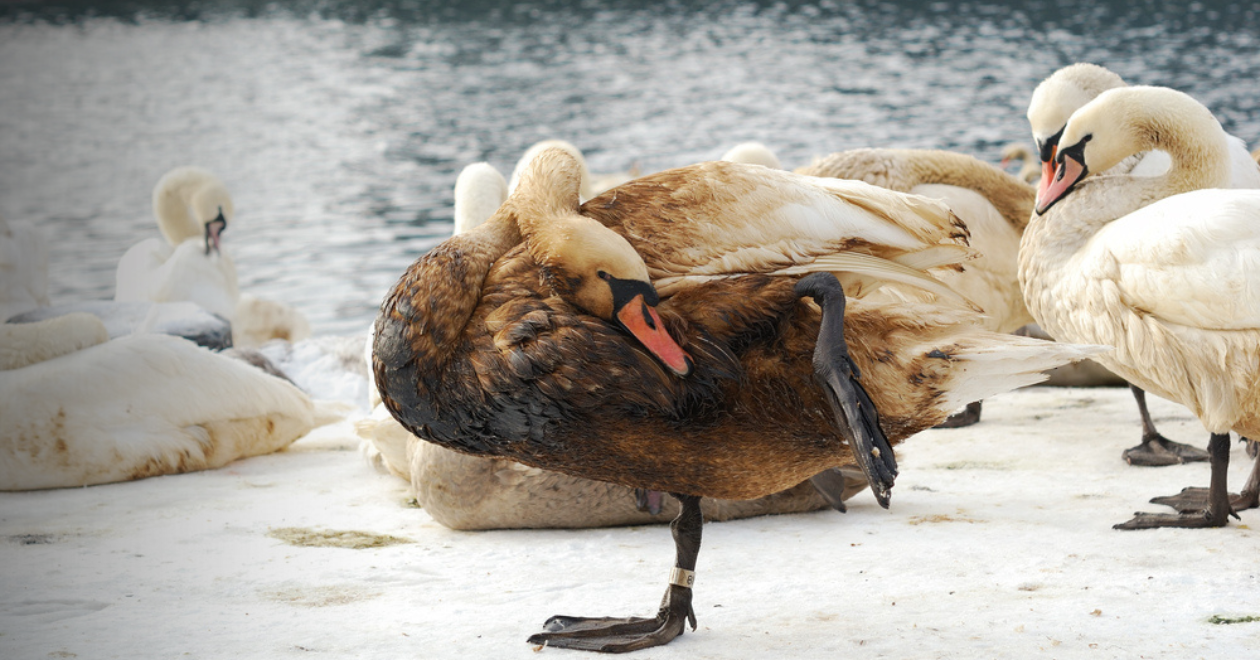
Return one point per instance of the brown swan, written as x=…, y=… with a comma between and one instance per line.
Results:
x=656, y=337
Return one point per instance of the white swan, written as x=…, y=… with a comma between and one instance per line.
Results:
x=1069, y=88
x=753, y=153
x=189, y=264
x=592, y=184
x=1053, y=102
x=479, y=191
x=23, y=268
x=257, y=321
x=93, y=411
x=1167, y=273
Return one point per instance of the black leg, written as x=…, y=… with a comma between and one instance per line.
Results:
x=965, y=417
x=1218, y=509
x=1196, y=499
x=857, y=420
x=1156, y=450
x=619, y=635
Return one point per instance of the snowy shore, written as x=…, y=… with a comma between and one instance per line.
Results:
x=998, y=545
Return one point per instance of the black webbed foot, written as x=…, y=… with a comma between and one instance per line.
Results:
x=855, y=413
x=1156, y=450
x=965, y=417
x=623, y=634
x=1216, y=510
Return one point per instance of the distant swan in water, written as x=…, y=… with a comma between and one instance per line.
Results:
x=80, y=409
x=187, y=263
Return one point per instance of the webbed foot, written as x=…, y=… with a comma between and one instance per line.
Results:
x=965, y=417
x=621, y=635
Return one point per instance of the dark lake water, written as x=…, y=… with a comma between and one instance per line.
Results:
x=339, y=127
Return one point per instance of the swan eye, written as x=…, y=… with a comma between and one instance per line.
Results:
x=604, y=276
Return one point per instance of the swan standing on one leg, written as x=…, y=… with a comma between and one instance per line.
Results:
x=1166, y=269
x=656, y=337
x=193, y=209
x=1053, y=102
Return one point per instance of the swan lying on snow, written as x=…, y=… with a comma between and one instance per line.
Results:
x=79, y=409
x=181, y=319
x=23, y=268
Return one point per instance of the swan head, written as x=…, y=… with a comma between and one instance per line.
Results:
x=1054, y=101
x=190, y=202
x=587, y=263
x=1130, y=120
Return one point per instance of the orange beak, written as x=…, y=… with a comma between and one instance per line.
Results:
x=642, y=321
x=1047, y=174
x=1070, y=171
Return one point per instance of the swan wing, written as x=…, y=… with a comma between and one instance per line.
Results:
x=1191, y=259
x=718, y=219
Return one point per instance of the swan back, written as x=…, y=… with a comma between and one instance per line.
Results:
x=24, y=344
x=753, y=153
x=139, y=406
x=479, y=191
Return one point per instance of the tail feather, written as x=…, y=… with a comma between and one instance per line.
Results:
x=985, y=364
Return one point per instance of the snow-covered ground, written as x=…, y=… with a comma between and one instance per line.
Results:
x=998, y=545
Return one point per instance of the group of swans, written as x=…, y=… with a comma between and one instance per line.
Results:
x=661, y=336
x=82, y=408
x=1162, y=267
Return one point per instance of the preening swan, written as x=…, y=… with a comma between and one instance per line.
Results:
x=592, y=184
x=1053, y=102
x=753, y=153
x=656, y=337
x=994, y=205
x=23, y=268
x=92, y=411
x=193, y=209
x=1166, y=269
x=471, y=492
x=479, y=191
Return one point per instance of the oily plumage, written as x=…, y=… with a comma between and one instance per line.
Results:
x=530, y=374
x=539, y=337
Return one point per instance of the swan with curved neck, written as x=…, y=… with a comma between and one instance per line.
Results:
x=1070, y=88
x=479, y=191
x=512, y=341
x=192, y=208
x=1162, y=268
